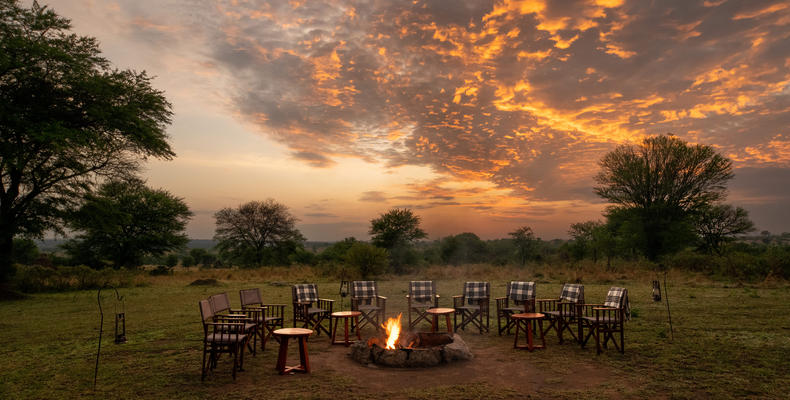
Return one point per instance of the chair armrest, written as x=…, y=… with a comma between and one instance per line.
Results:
x=614, y=314
x=326, y=304
x=382, y=297
x=547, y=304
x=458, y=301
x=501, y=302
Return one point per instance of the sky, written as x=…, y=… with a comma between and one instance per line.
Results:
x=480, y=116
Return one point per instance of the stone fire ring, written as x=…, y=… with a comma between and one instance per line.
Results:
x=425, y=355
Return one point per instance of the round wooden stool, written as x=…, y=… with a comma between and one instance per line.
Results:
x=524, y=321
x=436, y=312
x=345, y=316
x=284, y=335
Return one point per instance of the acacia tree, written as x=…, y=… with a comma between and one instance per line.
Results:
x=397, y=230
x=660, y=184
x=257, y=232
x=396, y=227
x=525, y=242
x=718, y=224
x=126, y=220
x=67, y=121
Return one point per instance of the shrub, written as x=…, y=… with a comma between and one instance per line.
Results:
x=187, y=261
x=367, y=259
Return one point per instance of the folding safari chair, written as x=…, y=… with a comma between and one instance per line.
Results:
x=422, y=296
x=472, y=306
x=606, y=320
x=220, y=337
x=304, y=297
x=269, y=316
x=519, y=298
x=365, y=299
x=562, y=312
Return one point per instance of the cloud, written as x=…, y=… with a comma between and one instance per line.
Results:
x=373, y=197
x=526, y=95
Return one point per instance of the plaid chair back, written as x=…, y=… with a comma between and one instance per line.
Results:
x=219, y=303
x=475, y=290
x=522, y=291
x=618, y=298
x=572, y=293
x=363, y=289
x=250, y=296
x=421, y=291
x=306, y=293
x=205, y=310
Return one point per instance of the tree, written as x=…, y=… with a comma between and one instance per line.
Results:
x=396, y=227
x=719, y=223
x=257, y=233
x=464, y=248
x=126, y=220
x=397, y=230
x=367, y=259
x=525, y=242
x=582, y=234
x=661, y=183
x=67, y=121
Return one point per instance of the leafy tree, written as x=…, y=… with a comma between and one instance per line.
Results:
x=719, y=223
x=398, y=226
x=187, y=261
x=464, y=248
x=25, y=251
x=198, y=255
x=367, y=259
x=661, y=183
x=171, y=260
x=257, y=233
x=525, y=242
x=126, y=220
x=337, y=251
x=67, y=120
x=397, y=230
x=582, y=234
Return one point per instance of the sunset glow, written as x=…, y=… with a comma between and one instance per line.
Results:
x=480, y=116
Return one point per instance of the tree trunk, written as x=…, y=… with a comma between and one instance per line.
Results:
x=6, y=260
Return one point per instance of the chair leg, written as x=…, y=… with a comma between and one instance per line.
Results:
x=203, y=364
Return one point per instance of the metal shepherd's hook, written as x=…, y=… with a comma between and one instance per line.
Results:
x=101, y=328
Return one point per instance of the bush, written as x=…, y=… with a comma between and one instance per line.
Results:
x=187, y=261
x=32, y=279
x=367, y=259
x=161, y=270
x=171, y=260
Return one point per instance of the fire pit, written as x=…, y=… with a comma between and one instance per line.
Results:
x=410, y=349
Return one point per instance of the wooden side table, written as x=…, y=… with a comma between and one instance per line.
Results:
x=524, y=321
x=345, y=316
x=301, y=334
x=436, y=312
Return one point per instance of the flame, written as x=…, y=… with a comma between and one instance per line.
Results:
x=393, y=331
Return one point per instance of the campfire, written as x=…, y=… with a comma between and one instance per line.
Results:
x=410, y=349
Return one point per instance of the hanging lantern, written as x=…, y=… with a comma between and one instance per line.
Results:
x=656, y=291
x=120, y=327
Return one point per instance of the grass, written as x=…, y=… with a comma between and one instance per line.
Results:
x=729, y=341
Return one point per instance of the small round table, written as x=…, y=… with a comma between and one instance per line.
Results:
x=436, y=312
x=524, y=321
x=285, y=334
x=345, y=315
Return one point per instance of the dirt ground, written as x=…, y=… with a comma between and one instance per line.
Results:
x=495, y=364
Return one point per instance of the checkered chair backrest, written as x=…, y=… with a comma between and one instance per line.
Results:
x=306, y=292
x=421, y=291
x=205, y=310
x=219, y=303
x=475, y=290
x=250, y=296
x=572, y=293
x=522, y=291
x=618, y=298
x=363, y=289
